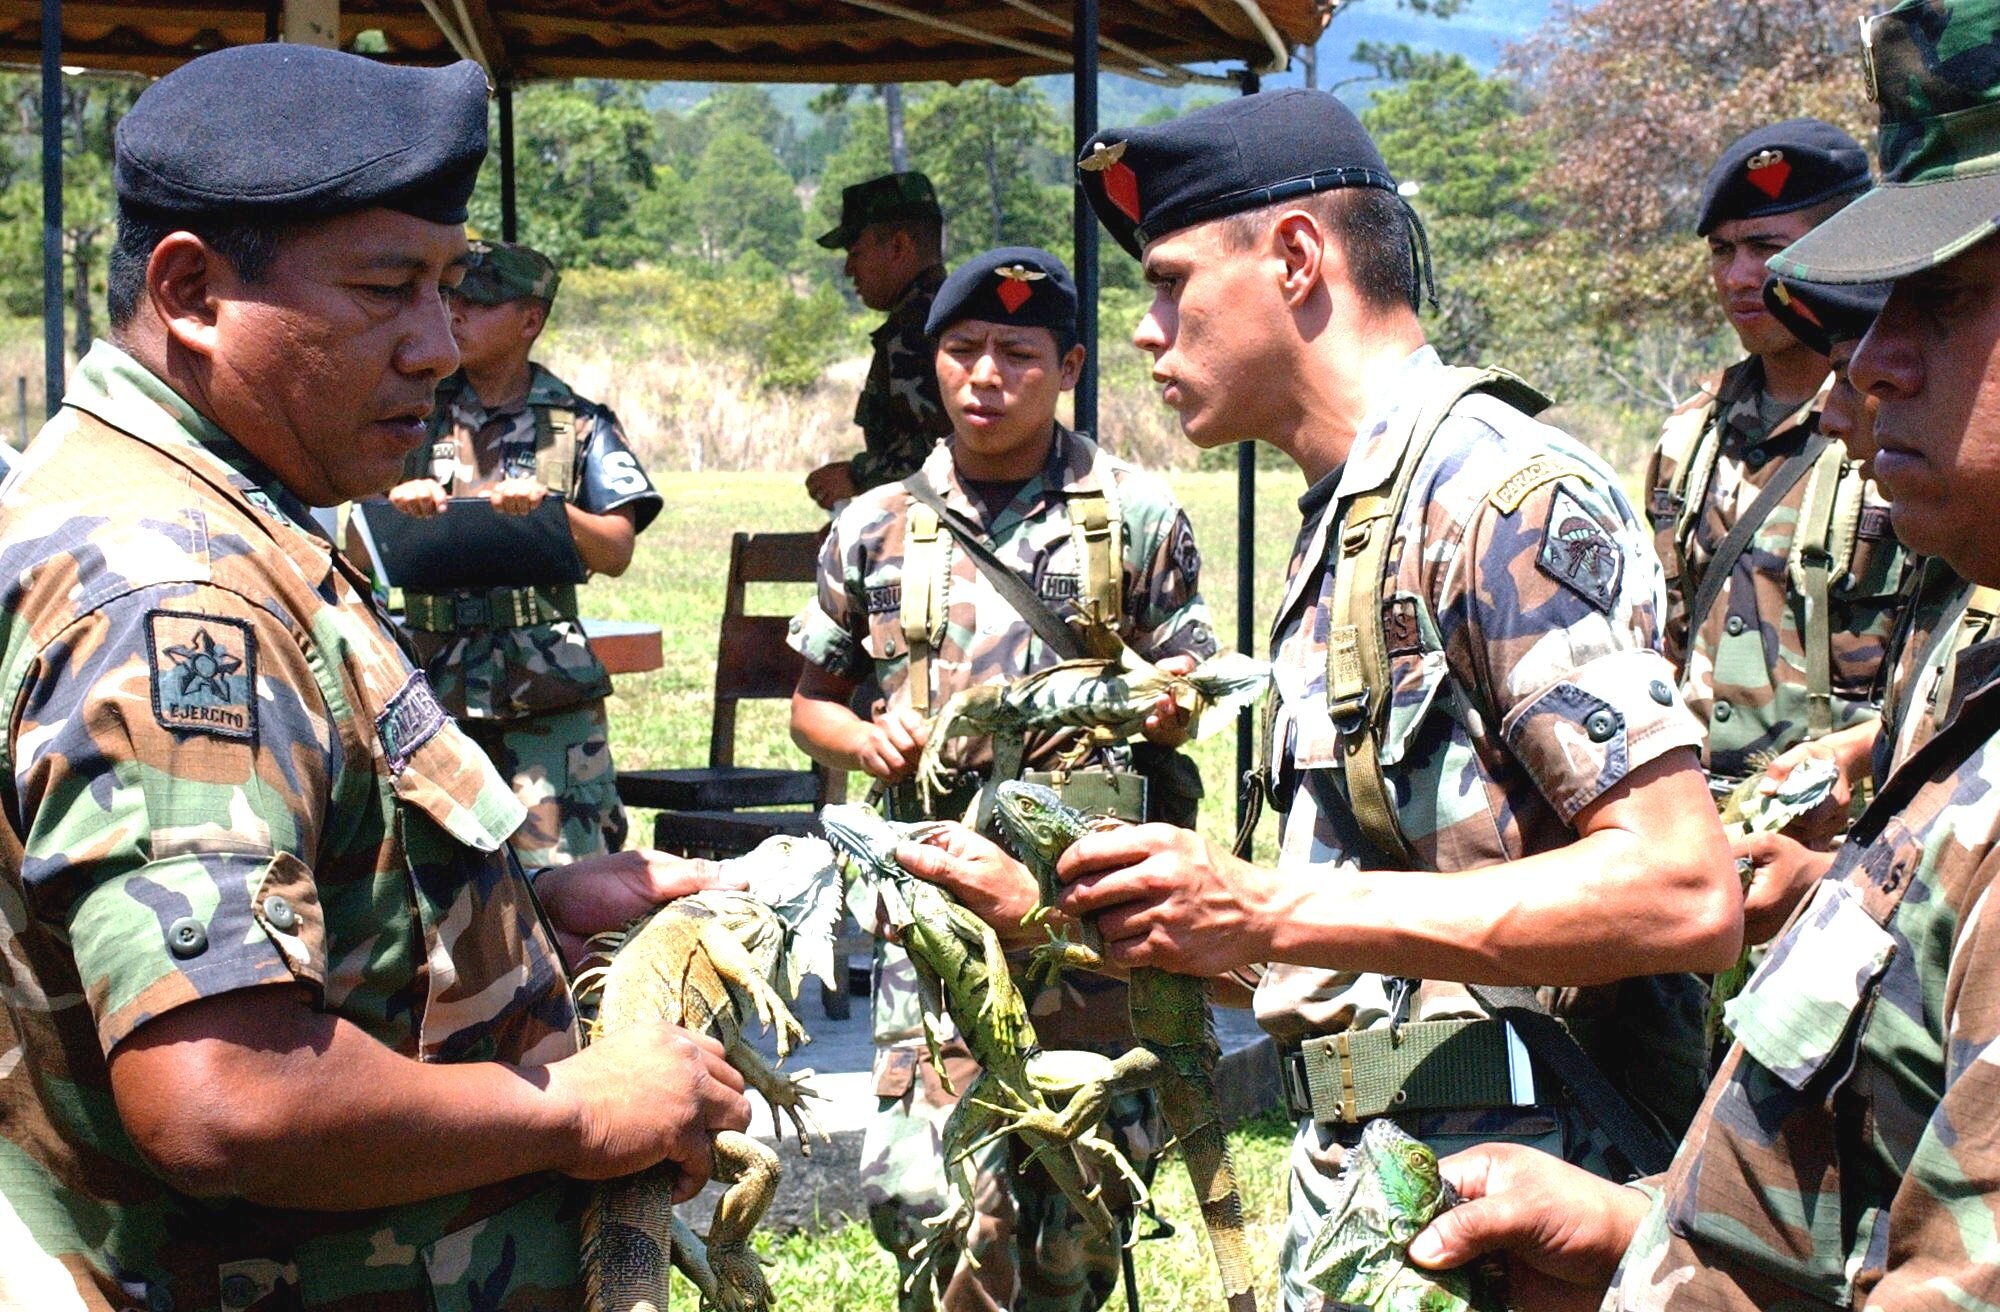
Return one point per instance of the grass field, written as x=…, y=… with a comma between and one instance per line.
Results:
x=662, y=719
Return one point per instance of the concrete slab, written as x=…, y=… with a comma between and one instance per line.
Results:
x=824, y=1190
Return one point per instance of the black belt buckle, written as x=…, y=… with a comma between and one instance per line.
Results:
x=471, y=610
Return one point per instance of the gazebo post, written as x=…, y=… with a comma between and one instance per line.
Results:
x=1084, y=81
x=509, y=217
x=1246, y=575
x=52, y=206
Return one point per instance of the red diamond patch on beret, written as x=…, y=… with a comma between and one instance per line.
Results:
x=1767, y=171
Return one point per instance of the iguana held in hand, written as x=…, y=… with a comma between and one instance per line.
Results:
x=1170, y=1018
x=962, y=971
x=1389, y=1189
x=1109, y=695
x=712, y=962
x=1749, y=810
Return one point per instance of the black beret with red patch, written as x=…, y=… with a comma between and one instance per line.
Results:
x=1021, y=285
x=1241, y=154
x=1823, y=315
x=1777, y=169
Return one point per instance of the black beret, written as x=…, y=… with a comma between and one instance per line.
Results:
x=1146, y=182
x=281, y=133
x=1021, y=285
x=1777, y=169
x=1823, y=315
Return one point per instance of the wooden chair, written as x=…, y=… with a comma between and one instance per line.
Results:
x=722, y=809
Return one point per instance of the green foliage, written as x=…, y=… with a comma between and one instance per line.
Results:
x=742, y=201
x=583, y=160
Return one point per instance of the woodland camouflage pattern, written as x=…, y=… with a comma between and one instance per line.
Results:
x=535, y=692
x=1525, y=682
x=223, y=773
x=1935, y=627
x=900, y=413
x=1744, y=674
x=1844, y=1157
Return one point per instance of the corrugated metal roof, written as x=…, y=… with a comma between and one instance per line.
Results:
x=704, y=40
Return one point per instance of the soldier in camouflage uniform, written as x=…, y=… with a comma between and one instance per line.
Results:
x=1790, y=639
x=1005, y=322
x=512, y=664
x=1844, y=1156
x=288, y=1028
x=1525, y=803
x=893, y=233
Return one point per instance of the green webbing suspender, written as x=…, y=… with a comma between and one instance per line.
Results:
x=1685, y=442
x=1975, y=624
x=555, y=448
x=1829, y=517
x=1100, y=555
x=923, y=613
x=1357, y=666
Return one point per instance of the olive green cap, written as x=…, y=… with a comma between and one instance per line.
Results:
x=887, y=199
x=1933, y=68
x=504, y=271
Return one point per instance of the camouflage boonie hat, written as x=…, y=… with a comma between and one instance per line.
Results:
x=886, y=199
x=1933, y=66
x=499, y=272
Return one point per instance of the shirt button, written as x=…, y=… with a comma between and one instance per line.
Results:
x=1600, y=725
x=1733, y=626
x=1660, y=692
x=187, y=937
x=1723, y=710
x=238, y=1290
x=279, y=912
x=1755, y=455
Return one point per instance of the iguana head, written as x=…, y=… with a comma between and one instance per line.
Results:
x=798, y=879
x=1036, y=822
x=1402, y=1174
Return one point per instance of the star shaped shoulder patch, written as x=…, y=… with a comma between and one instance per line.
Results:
x=204, y=673
x=1579, y=552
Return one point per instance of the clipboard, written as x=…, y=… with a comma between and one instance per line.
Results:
x=472, y=545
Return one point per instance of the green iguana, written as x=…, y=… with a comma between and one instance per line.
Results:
x=1388, y=1190
x=962, y=971
x=1110, y=695
x=1749, y=810
x=712, y=961
x=1170, y=1018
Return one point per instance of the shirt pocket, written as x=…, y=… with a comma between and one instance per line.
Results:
x=1763, y=1187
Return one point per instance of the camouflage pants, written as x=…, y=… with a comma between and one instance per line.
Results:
x=559, y=766
x=1027, y=1249
x=1319, y=1149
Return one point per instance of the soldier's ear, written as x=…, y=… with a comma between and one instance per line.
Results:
x=1298, y=240
x=1072, y=366
x=181, y=278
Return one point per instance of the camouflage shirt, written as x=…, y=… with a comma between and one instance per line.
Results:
x=1844, y=1156
x=1944, y=616
x=510, y=673
x=1745, y=673
x=900, y=413
x=1524, y=687
x=223, y=773
x=854, y=626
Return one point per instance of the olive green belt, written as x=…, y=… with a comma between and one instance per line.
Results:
x=488, y=608
x=1424, y=1066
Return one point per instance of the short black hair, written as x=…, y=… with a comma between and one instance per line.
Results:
x=1374, y=231
x=927, y=235
x=249, y=248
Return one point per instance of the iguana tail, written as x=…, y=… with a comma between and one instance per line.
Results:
x=625, y=1260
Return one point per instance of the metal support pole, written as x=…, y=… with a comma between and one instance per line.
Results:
x=509, y=219
x=1084, y=80
x=274, y=11
x=52, y=206
x=1246, y=579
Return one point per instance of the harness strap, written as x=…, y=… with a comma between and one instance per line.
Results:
x=921, y=594
x=555, y=448
x=1682, y=441
x=1357, y=667
x=1975, y=624
x=1817, y=559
